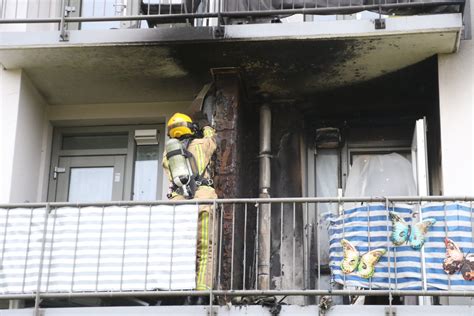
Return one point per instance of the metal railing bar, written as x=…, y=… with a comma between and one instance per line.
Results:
x=147, y=264
x=100, y=248
x=232, y=248
x=5, y=235
x=305, y=246
x=395, y=258
x=124, y=246
x=51, y=250
x=251, y=200
x=213, y=246
x=40, y=272
x=318, y=245
x=244, y=275
x=257, y=245
x=308, y=11
x=27, y=250
x=368, y=239
x=293, y=276
x=389, y=256
x=232, y=293
x=343, y=237
x=75, y=249
x=172, y=250
x=446, y=236
x=221, y=227
x=282, y=231
x=213, y=252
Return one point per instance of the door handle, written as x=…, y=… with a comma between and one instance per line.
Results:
x=58, y=170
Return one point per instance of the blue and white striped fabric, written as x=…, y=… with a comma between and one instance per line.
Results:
x=136, y=248
x=369, y=227
x=453, y=220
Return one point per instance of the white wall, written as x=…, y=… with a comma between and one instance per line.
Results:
x=121, y=113
x=29, y=149
x=456, y=86
x=10, y=82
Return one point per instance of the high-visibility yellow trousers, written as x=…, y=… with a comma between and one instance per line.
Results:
x=205, y=251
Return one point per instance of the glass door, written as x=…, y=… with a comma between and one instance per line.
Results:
x=90, y=178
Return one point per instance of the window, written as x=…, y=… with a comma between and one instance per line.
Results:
x=98, y=164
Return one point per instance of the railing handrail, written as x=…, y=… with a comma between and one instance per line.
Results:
x=236, y=14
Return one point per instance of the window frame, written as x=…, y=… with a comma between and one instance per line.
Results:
x=129, y=153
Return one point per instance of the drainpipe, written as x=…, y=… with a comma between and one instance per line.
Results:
x=264, y=220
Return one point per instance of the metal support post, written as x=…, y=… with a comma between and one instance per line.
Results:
x=264, y=238
x=63, y=34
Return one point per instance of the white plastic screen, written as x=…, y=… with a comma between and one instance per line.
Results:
x=99, y=249
x=380, y=175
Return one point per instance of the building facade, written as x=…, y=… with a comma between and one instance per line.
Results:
x=298, y=92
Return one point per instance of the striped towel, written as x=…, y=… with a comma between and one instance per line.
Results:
x=403, y=261
x=136, y=248
x=453, y=220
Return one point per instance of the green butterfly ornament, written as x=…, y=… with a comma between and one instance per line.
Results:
x=364, y=264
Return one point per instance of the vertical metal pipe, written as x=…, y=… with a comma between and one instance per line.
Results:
x=78, y=224
x=264, y=240
x=282, y=237
x=232, y=249
x=101, y=232
x=27, y=251
x=51, y=249
x=147, y=264
x=170, y=286
x=221, y=254
x=293, y=276
x=244, y=274
x=124, y=245
x=41, y=264
x=214, y=284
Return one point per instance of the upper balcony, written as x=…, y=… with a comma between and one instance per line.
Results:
x=324, y=43
x=181, y=20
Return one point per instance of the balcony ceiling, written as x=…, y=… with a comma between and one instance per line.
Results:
x=289, y=66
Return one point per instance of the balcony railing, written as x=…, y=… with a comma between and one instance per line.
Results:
x=147, y=249
x=73, y=15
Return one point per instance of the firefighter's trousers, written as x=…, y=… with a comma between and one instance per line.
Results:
x=205, y=258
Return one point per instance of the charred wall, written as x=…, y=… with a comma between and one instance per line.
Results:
x=287, y=219
x=236, y=170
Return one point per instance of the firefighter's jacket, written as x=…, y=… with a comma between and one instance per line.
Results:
x=202, y=149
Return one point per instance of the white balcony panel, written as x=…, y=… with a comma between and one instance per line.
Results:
x=285, y=61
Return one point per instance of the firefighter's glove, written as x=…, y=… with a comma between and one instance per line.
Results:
x=201, y=119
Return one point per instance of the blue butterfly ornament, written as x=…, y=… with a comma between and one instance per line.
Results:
x=402, y=232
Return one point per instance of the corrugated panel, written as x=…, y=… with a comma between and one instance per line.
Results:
x=99, y=249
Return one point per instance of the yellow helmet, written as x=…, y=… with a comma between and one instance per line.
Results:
x=180, y=125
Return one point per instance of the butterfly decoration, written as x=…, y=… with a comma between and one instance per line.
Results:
x=456, y=261
x=402, y=232
x=365, y=264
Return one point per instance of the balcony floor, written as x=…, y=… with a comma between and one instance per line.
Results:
x=287, y=61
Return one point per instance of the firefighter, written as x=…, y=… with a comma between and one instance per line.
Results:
x=189, y=171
